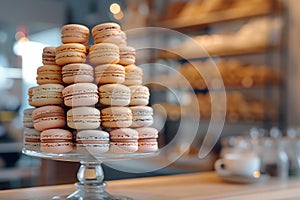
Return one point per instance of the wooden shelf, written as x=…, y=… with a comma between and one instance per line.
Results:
x=231, y=14
x=236, y=52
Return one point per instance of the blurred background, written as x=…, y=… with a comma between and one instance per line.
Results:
x=253, y=44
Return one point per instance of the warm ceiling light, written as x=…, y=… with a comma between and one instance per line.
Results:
x=115, y=8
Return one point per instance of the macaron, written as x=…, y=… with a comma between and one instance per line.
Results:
x=123, y=140
x=27, y=117
x=49, y=74
x=32, y=139
x=139, y=95
x=75, y=33
x=83, y=118
x=109, y=73
x=107, y=32
x=133, y=75
x=56, y=141
x=48, y=55
x=80, y=94
x=116, y=117
x=48, y=117
x=141, y=116
x=127, y=55
x=114, y=95
x=147, y=139
x=77, y=73
x=104, y=53
x=92, y=141
x=47, y=94
x=30, y=95
x=70, y=53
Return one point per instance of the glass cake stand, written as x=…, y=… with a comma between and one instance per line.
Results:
x=90, y=174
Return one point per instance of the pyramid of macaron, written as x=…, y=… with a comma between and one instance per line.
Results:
x=91, y=98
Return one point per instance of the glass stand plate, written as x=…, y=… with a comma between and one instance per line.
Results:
x=90, y=174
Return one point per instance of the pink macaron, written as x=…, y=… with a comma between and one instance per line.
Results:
x=123, y=140
x=77, y=73
x=47, y=94
x=48, y=117
x=114, y=95
x=56, y=141
x=104, y=53
x=147, y=139
x=83, y=118
x=116, y=117
x=80, y=94
x=139, y=95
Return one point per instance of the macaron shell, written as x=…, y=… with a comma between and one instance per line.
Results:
x=114, y=95
x=83, y=118
x=77, y=73
x=48, y=117
x=116, y=117
x=59, y=147
x=109, y=73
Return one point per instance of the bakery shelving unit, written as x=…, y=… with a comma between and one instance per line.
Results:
x=200, y=24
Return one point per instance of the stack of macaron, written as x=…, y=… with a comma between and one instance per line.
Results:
x=45, y=123
x=122, y=97
x=90, y=97
x=80, y=94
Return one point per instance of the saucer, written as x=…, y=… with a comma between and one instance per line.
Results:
x=243, y=179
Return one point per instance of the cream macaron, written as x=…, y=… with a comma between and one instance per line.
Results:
x=133, y=75
x=47, y=94
x=114, y=95
x=48, y=55
x=83, y=118
x=92, y=141
x=127, y=55
x=141, y=116
x=139, y=95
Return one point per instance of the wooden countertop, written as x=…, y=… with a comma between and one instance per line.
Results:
x=196, y=186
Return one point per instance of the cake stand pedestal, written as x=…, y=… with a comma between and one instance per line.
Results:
x=90, y=174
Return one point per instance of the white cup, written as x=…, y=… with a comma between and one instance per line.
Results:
x=238, y=164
